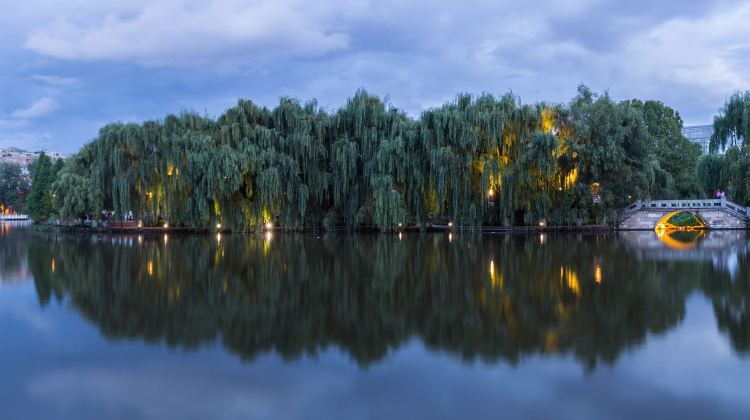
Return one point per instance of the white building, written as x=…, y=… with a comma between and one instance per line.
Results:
x=21, y=157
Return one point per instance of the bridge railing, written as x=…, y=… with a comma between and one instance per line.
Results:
x=13, y=217
x=676, y=205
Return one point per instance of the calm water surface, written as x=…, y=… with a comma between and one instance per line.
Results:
x=374, y=327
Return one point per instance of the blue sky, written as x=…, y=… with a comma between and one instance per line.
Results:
x=67, y=68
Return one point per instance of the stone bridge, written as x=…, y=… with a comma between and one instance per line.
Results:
x=717, y=214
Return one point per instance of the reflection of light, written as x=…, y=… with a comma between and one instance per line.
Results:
x=496, y=279
x=166, y=239
x=218, y=237
x=542, y=238
x=571, y=280
x=450, y=237
x=150, y=268
x=598, y=274
x=53, y=266
x=680, y=240
x=400, y=236
x=140, y=239
x=267, y=243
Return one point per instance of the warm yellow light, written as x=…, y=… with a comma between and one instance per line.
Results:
x=450, y=237
x=269, y=225
x=218, y=237
x=140, y=224
x=150, y=195
x=166, y=225
x=548, y=120
x=166, y=238
x=140, y=239
x=570, y=178
x=218, y=226
x=496, y=279
x=571, y=280
x=491, y=193
x=450, y=224
x=269, y=236
x=542, y=238
x=150, y=268
x=53, y=266
x=170, y=170
x=598, y=274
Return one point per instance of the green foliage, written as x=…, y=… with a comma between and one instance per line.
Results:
x=14, y=186
x=685, y=219
x=732, y=125
x=677, y=157
x=729, y=172
x=39, y=204
x=473, y=161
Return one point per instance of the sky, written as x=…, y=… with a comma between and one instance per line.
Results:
x=69, y=67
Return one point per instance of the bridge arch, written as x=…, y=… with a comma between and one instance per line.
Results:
x=679, y=220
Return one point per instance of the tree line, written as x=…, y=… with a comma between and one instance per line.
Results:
x=483, y=160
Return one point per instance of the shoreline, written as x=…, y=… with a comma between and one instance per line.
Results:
x=110, y=230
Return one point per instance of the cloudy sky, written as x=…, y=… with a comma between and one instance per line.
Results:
x=69, y=67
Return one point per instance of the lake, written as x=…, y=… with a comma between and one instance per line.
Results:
x=412, y=326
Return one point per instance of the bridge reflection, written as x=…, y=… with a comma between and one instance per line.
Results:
x=723, y=249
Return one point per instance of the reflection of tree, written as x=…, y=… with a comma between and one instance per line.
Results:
x=12, y=252
x=731, y=300
x=487, y=297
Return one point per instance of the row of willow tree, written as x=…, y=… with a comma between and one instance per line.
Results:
x=475, y=161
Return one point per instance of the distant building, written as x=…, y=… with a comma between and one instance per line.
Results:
x=700, y=134
x=23, y=157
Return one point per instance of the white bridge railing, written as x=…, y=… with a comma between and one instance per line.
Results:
x=13, y=217
x=677, y=205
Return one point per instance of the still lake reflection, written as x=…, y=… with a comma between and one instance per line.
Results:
x=368, y=327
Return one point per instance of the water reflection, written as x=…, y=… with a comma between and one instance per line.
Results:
x=476, y=297
x=680, y=239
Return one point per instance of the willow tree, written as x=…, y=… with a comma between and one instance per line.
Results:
x=732, y=125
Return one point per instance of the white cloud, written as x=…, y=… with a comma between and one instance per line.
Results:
x=38, y=109
x=704, y=52
x=184, y=32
